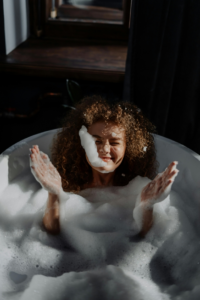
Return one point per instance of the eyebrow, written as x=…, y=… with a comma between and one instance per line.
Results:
x=100, y=137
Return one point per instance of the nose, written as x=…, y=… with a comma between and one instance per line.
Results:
x=105, y=147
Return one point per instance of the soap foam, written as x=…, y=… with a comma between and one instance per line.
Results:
x=88, y=143
x=98, y=253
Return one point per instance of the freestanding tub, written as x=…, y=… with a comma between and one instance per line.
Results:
x=167, y=151
x=15, y=160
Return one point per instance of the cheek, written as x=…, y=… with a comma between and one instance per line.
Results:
x=99, y=149
x=118, y=151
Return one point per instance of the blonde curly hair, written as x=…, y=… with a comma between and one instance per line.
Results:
x=69, y=156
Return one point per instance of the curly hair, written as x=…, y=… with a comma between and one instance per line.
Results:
x=69, y=156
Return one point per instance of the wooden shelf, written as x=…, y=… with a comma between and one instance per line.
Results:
x=86, y=60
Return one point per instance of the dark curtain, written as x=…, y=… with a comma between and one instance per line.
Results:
x=163, y=67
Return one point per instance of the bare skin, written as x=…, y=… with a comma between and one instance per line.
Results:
x=154, y=192
x=112, y=151
x=50, y=179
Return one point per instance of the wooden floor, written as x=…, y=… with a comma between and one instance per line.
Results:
x=67, y=59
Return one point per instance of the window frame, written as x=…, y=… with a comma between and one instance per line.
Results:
x=79, y=30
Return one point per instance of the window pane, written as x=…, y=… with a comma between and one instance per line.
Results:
x=105, y=11
x=117, y=4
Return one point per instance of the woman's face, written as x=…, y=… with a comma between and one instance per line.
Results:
x=111, y=144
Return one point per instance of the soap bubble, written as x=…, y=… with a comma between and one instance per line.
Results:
x=88, y=143
x=98, y=252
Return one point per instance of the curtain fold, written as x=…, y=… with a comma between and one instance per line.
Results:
x=163, y=66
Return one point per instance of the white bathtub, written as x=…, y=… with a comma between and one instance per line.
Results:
x=167, y=151
x=15, y=160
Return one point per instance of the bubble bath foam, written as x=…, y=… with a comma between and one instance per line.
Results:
x=98, y=254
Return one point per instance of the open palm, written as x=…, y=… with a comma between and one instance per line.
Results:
x=158, y=189
x=44, y=171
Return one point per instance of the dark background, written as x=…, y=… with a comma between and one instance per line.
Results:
x=22, y=95
x=163, y=67
x=162, y=78
x=105, y=3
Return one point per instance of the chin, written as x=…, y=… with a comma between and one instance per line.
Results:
x=102, y=170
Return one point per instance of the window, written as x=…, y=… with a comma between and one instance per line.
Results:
x=81, y=19
x=93, y=10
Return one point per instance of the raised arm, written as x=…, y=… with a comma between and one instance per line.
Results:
x=47, y=175
x=154, y=192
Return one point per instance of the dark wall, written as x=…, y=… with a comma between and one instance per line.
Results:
x=24, y=95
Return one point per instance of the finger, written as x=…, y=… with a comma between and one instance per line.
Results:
x=149, y=186
x=39, y=159
x=173, y=166
x=38, y=166
x=159, y=189
x=37, y=148
x=33, y=150
x=43, y=155
x=166, y=188
x=32, y=157
x=168, y=184
x=160, y=180
x=170, y=168
x=173, y=174
x=160, y=184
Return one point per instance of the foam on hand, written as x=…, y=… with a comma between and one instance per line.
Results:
x=49, y=177
x=88, y=143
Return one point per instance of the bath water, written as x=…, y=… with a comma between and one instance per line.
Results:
x=98, y=254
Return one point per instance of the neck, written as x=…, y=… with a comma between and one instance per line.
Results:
x=102, y=179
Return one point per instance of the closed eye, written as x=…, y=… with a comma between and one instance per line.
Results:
x=112, y=143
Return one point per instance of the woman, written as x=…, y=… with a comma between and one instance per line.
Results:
x=124, y=141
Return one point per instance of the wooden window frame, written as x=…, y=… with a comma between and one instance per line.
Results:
x=81, y=29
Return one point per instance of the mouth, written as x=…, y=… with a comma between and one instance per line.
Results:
x=106, y=159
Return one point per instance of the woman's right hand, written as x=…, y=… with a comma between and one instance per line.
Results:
x=44, y=171
x=159, y=188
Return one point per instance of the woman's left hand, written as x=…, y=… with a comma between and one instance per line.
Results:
x=159, y=188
